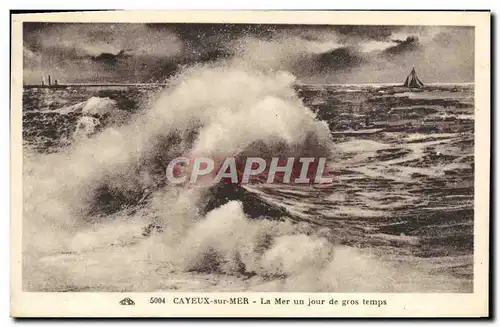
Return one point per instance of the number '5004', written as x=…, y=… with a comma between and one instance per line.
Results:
x=157, y=300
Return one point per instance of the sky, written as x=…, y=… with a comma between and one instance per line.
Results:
x=143, y=53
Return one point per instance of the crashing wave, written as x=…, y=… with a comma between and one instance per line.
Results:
x=93, y=106
x=92, y=194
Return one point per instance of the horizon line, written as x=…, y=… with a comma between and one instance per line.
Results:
x=297, y=83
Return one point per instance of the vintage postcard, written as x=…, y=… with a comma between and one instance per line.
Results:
x=250, y=164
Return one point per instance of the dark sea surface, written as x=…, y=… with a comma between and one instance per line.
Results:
x=400, y=204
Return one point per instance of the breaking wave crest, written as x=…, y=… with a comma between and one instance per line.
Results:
x=101, y=191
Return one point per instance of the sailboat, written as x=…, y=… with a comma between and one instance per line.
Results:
x=412, y=81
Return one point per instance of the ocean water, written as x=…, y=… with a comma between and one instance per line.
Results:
x=99, y=214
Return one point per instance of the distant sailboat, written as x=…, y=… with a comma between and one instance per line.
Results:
x=49, y=83
x=412, y=81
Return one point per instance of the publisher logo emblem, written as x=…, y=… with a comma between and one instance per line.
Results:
x=127, y=301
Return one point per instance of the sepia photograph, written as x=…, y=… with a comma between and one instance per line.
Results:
x=249, y=157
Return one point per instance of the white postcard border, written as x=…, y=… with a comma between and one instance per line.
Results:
x=95, y=304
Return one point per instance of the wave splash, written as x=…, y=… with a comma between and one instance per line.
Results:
x=98, y=193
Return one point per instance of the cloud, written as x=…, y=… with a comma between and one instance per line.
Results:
x=112, y=52
x=367, y=32
x=109, y=58
x=97, y=38
x=411, y=43
x=340, y=58
x=102, y=52
x=451, y=37
x=337, y=61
